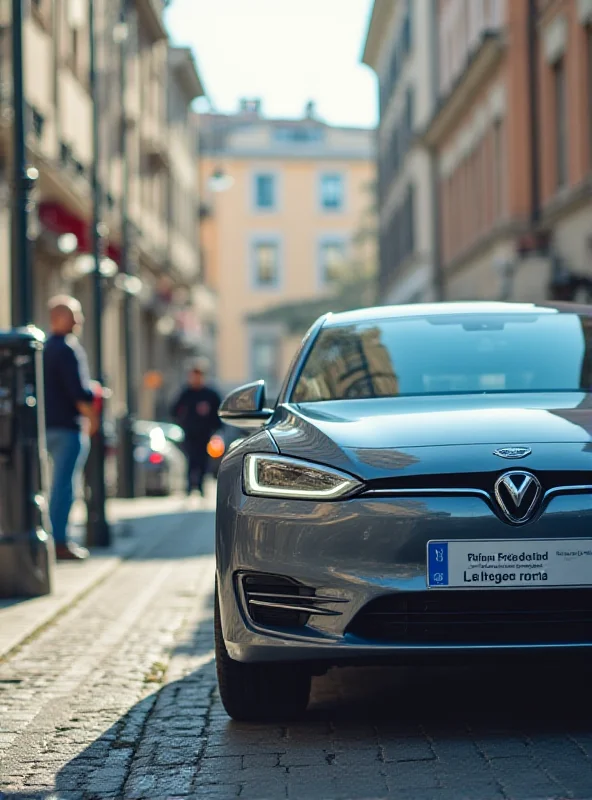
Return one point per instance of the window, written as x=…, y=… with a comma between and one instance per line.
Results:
x=333, y=259
x=560, y=123
x=38, y=123
x=332, y=192
x=409, y=116
x=398, y=241
x=265, y=191
x=479, y=189
x=35, y=121
x=265, y=359
x=410, y=221
x=406, y=34
x=266, y=267
x=385, y=88
x=498, y=161
x=65, y=154
x=299, y=134
x=74, y=47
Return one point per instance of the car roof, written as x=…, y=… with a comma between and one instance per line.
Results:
x=443, y=309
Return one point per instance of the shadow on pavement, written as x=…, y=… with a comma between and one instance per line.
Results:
x=169, y=742
x=177, y=741
x=146, y=754
x=513, y=698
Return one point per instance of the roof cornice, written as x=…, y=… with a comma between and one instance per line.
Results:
x=381, y=13
x=186, y=69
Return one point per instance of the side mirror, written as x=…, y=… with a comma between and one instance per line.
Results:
x=246, y=407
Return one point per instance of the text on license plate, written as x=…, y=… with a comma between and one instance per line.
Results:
x=509, y=563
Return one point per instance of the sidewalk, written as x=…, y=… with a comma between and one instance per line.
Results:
x=136, y=525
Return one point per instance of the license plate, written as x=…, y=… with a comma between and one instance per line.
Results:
x=509, y=563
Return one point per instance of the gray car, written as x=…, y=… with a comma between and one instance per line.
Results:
x=421, y=491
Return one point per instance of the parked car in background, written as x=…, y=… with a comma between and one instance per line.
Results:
x=159, y=456
x=160, y=463
x=173, y=432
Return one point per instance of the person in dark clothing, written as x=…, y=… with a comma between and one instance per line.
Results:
x=70, y=416
x=196, y=411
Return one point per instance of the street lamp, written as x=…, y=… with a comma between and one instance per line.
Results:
x=24, y=178
x=25, y=549
x=219, y=181
x=129, y=282
x=98, y=533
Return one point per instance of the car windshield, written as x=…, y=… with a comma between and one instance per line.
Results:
x=449, y=354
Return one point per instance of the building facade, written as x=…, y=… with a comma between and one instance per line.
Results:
x=147, y=146
x=510, y=139
x=398, y=50
x=479, y=134
x=281, y=227
x=512, y=136
x=565, y=125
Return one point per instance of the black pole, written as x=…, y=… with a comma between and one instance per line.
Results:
x=26, y=551
x=23, y=181
x=437, y=265
x=533, y=108
x=97, y=533
x=127, y=475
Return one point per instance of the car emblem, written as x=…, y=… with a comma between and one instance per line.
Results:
x=512, y=452
x=518, y=495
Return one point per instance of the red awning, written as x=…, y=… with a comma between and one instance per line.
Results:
x=56, y=218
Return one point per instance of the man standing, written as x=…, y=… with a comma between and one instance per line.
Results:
x=70, y=416
x=196, y=411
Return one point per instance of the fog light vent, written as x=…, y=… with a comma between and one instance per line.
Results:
x=279, y=602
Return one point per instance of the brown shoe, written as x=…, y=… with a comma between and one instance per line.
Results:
x=71, y=552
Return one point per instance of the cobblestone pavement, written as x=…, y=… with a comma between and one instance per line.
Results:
x=117, y=699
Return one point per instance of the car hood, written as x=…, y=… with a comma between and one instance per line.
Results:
x=389, y=434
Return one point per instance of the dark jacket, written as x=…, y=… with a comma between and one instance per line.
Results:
x=196, y=411
x=67, y=381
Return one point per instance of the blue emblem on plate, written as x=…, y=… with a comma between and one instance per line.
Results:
x=437, y=563
x=512, y=452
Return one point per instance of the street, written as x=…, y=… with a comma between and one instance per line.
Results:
x=117, y=699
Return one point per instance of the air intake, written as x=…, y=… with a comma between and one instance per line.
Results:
x=278, y=602
x=546, y=616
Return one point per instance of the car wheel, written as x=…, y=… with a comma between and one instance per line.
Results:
x=259, y=692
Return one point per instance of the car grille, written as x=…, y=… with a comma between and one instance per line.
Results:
x=279, y=602
x=550, y=479
x=545, y=616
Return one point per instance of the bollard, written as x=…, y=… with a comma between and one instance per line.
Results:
x=26, y=546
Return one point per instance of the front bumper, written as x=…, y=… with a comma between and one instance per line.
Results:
x=356, y=552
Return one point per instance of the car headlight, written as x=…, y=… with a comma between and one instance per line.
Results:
x=278, y=476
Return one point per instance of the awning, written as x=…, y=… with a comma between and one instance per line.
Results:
x=59, y=220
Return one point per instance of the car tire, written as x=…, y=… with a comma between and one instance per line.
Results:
x=259, y=692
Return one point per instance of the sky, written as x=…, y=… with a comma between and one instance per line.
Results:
x=284, y=51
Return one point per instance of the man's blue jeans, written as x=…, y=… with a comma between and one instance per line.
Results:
x=68, y=450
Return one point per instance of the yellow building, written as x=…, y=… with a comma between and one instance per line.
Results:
x=283, y=202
